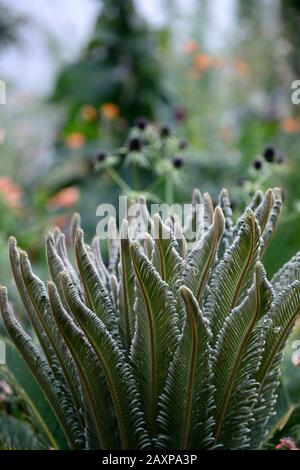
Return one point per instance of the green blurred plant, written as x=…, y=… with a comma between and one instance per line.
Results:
x=117, y=77
x=153, y=162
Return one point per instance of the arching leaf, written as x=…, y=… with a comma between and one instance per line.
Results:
x=119, y=380
x=189, y=385
x=280, y=321
x=233, y=275
x=156, y=335
x=238, y=354
x=202, y=258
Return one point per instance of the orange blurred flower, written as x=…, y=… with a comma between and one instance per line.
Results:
x=190, y=46
x=10, y=192
x=290, y=125
x=203, y=62
x=75, y=140
x=242, y=67
x=109, y=110
x=88, y=112
x=64, y=198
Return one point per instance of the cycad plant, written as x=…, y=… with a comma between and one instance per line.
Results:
x=167, y=347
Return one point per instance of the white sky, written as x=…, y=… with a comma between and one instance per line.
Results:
x=59, y=28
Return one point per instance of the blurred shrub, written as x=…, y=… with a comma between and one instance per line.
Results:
x=117, y=77
x=10, y=24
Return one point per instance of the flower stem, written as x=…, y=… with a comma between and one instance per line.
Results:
x=118, y=180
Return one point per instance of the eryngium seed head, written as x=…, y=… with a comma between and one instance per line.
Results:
x=177, y=162
x=165, y=131
x=135, y=144
x=257, y=164
x=269, y=153
x=101, y=156
x=141, y=122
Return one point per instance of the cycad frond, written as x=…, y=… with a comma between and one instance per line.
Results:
x=126, y=293
x=202, y=258
x=279, y=323
x=237, y=357
x=234, y=274
x=41, y=371
x=189, y=385
x=156, y=334
x=175, y=344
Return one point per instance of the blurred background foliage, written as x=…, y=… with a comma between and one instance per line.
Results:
x=124, y=52
x=107, y=97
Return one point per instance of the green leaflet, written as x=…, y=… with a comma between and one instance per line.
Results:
x=256, y=200
x=282, y=316
x=98, y=299
x=113, y=246
x=189, y=385
x=261, y=205
x=262, y=212
x=234, y=274
x=181, y=241
x=55, y=263
x=62, y=252
x=202, y=258
x=237, y=357
x=289, y=273
x=118, y=377
x=114, y=285
x=126, y=293
x=224, y=203
x=91, y=374
x=168, y=262
x=60, y=360
x=148, y=245
x=165, y=257
x=37, y=365
x=74, y=226
x=195, y=222
x=156, y=334
x=14, y=258
x=208, y=212
x=273, y=219
x=98, y=261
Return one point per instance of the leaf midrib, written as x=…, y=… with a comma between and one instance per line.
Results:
x=187, y=414
x=84, y=323
x=51, y=338
x=246, y=266
x=115, y=400
x=101, y=436
x=152, y=345
x=275, y=350
x=232, y=377
x=208, y=263
x=162, y=260
x=125, y=276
